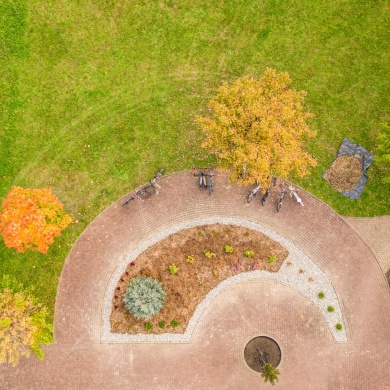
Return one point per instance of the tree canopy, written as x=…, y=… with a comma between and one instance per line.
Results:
x=23, y=323
x=31, y=219
x=257, y=129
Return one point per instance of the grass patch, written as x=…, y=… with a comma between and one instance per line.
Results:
x=94, y=99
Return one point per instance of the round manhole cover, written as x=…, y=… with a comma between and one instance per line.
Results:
x=260, y=350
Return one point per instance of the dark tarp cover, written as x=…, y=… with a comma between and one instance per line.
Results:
x=349, y=148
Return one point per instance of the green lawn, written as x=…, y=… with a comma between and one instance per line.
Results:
x=97, y=95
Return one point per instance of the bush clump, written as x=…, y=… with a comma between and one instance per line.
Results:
x=144, y=297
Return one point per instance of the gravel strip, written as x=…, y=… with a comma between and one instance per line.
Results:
x=289, y=275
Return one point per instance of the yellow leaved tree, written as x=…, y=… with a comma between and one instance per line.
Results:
x=257, y=129
x=24, y=323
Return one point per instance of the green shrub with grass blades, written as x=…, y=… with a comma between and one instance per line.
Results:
x=339, y=326
x=321, y=295
x=144, y=297
x=148, y=326
x=162, y=324
x=330, y=309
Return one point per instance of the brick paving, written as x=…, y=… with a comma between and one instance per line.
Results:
x=375, y=232
x=214, y=358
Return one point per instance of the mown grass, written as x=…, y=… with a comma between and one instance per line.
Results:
x=96, y=96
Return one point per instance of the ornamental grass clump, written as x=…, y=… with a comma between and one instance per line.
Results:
x=144, y=297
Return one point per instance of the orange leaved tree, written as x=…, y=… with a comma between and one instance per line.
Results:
x=31, y=219
x=257, y=129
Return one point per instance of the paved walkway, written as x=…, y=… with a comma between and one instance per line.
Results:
x=375, y=232
x=214, y=359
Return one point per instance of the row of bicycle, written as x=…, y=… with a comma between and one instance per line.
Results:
x=206, y=181
x=285, y=187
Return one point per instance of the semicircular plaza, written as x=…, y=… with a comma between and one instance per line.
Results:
x=213, y=358
x=288, y=275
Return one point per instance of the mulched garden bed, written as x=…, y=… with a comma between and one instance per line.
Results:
x=201, y=258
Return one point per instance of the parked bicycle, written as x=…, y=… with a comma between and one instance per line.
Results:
x=280, y=198
x=210, y=184
x=206, y=178
x=145, y=188
x=202, y=179
x=253, y=193
x=265, y=196
x=293, y=193
x=268, y=191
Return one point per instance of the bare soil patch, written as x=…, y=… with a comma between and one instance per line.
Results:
x=197, y=273
x=262, y=345
x=345, y=173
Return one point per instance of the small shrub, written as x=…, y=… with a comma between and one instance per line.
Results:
x=209, y=254
x=162, y=324
x=173, y=269
x=229, y=249
x=289, y=263
x=270, y=373
x=200, y=234
x=271, y=259
x=214, y=233
x=148, y=326
x=311, y=279
x=144, y=297
x=321, y=295
x=330, y=309
x=246, y=234
x=339, y=326
x=190, y=259
x=175, y=323
x=248, y=253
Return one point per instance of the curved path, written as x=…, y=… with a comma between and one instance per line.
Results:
x=214, y=358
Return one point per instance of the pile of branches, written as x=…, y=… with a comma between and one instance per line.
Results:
x=345, y=173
